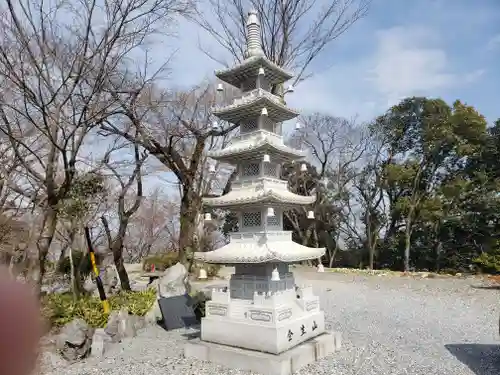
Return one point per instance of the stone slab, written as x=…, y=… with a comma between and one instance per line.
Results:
x=285, y=363
x=177, y=312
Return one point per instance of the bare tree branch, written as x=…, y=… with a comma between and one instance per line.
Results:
x=294, y=32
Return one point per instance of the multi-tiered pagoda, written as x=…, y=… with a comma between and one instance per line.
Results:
x=262, y=309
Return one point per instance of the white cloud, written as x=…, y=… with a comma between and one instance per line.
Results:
x=406, y=63
x=494, y=42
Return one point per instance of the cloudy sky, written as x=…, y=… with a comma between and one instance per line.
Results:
x=437, y=48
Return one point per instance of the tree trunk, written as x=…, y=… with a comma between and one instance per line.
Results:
x=74, y=289
x=332, y=257
x=116, y=246
x=190, y=208
x=407, y=247
x=43, y=245
x=117, y=250
x=120, y=265
x=371, y=256
x=438, y=248
x=368, y=225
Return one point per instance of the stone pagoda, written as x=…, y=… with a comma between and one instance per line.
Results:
x=262, y=310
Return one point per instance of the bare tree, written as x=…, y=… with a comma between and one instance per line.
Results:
x=154, y=228
x=336, y=146
x=177, y=128
x=369, y=200
x=58, y=63
x=124, y=213
x=294, y=32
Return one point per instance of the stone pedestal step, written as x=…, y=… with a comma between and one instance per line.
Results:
x=285, y=363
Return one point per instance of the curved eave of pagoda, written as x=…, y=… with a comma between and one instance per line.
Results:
x=256, y=252
x=236, y=113
x=249, y=68
x=241, y=198
x=248, y=151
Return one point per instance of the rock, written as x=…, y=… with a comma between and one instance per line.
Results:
x=89, y=285
x=139, y=322
x=153, y=316
x=424, y=275
x=121, y=325
x=75, y=340
x=174, y=282
x=110, y=280
x=100, y=343
x=56, y=287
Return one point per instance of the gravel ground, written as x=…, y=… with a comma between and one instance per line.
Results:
x=390, y=325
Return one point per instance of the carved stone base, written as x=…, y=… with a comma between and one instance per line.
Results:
x=255, y=334
x=285, y=363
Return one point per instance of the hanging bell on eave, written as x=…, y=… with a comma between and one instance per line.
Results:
x=275, y=275
x=310, y=214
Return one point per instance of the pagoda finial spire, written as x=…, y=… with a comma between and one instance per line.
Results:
x=254, y=47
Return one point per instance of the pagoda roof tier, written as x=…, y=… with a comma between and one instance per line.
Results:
x=254, y=145
x=261, y=191
x=250, y=106
x=260, y=247
x=249, y=68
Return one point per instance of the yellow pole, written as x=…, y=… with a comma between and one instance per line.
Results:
x=100, y=286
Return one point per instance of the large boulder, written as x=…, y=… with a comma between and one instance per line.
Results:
x=75, y=340
x=173, y=282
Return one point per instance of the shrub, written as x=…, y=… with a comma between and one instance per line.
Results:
x=80, y=258
x=161, y=261
x=60, y=309
x=488, y=262
x=199, y=301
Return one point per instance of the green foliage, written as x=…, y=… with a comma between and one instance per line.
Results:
x=161, y=261
x=60, y=309
x=83, y=192
x=199, y=301
x=488, y=263
x=137, y=303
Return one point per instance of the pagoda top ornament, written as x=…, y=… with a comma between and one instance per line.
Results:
x=255, y=61
x=254, y=46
